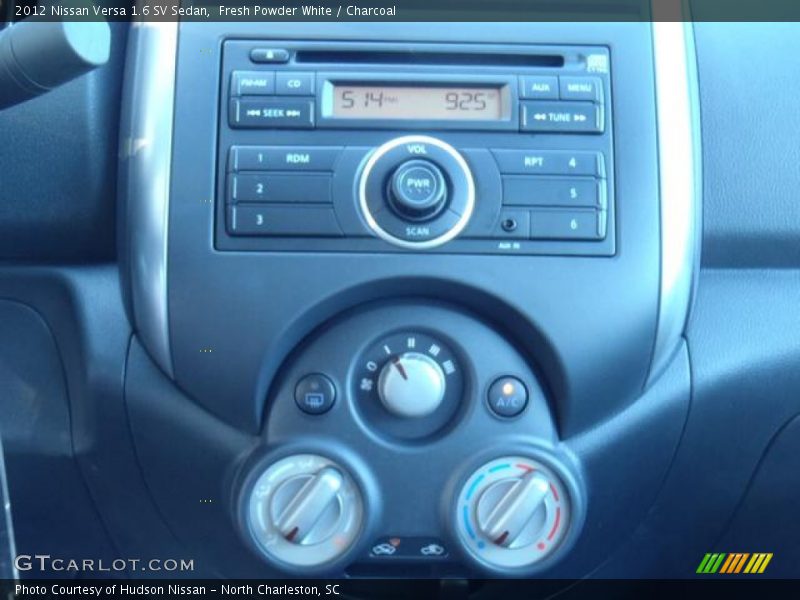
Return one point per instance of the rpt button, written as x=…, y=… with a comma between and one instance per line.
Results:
x=549, y=162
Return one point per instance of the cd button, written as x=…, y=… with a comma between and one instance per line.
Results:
x=294, y=83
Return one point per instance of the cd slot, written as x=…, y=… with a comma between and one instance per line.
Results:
x=385, y=57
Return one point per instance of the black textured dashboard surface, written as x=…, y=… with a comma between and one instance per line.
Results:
x=58, y=165
x=751, y=143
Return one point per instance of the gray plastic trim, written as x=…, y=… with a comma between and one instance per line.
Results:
x=679, y=177
x=145, y=162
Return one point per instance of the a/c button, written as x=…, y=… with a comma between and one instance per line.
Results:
x=507, y=397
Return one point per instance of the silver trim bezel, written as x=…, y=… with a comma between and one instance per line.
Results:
x=370, y=219
x=679, y=184
x=145, y=165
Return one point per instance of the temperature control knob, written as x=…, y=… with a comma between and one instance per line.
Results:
x=305, y=510
x=411, y=384
x=513, y=512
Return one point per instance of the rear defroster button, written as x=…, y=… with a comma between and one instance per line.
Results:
x=314, y=394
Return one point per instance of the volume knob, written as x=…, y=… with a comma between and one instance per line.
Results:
x=418, y=190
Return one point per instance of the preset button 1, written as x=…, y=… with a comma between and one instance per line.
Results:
x=283, y=158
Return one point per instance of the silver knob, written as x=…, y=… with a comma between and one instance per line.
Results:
x=305, y=510
x=297, y=518
x=506, y=508
x=513, y=512
x=411, y=385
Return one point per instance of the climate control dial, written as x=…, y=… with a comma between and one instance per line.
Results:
x=411, y=384
x=513, y=512
x=408, y=384
x=305, y=510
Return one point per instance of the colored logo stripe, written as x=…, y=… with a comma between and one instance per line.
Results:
x=734, y=563
x=711, y=563
x=758, y=563
x=731, y=563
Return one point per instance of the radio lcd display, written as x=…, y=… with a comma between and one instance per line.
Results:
x=422, y=102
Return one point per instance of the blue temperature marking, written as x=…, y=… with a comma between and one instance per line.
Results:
x=499, y=468
x=466, y=522
x=474, y=486
x=481, y=545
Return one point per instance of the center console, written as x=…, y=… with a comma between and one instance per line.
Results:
x=408, y=301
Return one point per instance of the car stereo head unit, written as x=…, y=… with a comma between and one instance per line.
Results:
x=449, y=148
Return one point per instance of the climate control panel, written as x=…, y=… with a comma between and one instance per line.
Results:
x=409, y=433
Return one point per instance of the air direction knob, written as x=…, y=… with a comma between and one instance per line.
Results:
x=305, y=510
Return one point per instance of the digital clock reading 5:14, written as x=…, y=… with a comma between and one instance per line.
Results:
x=429, y=103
